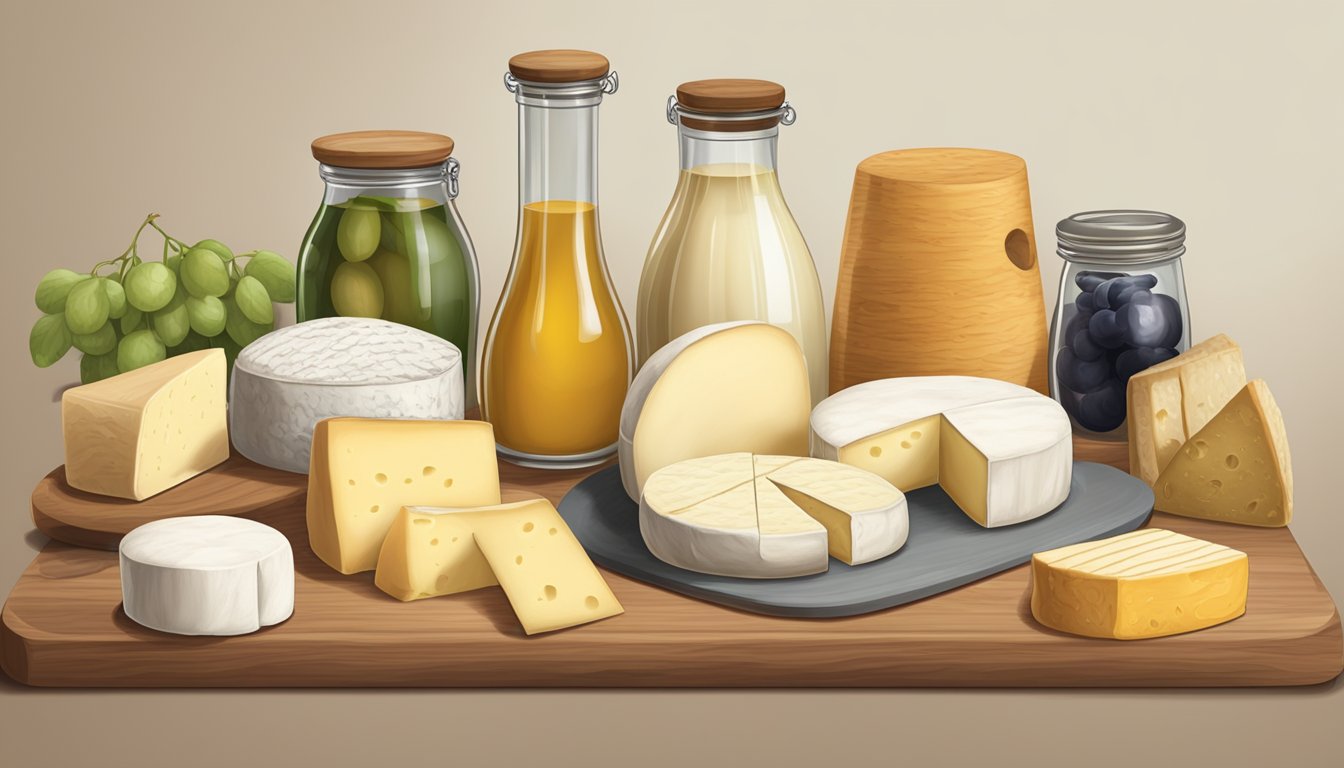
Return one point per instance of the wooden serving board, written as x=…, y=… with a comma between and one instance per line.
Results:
x=63, y=626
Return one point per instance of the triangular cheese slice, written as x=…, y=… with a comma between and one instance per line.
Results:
x=1236, y=469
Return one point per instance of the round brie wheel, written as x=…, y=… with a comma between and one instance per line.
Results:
x=207, y=575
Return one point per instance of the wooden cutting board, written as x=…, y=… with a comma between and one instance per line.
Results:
x=63, y=626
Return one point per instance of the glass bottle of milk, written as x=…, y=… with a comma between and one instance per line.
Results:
x=728, y=248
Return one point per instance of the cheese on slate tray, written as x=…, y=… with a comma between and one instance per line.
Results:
x=1236, y=469
x=769, y=516
x=525, y=547
x=144, y=431
x=1002, y=452
x=365, y=470
x=1149, y=583
x=206, y=575
x=1171, y=401
x=290, y=379
x=718, y=389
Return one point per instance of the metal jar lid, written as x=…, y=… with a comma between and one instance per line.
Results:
x=1121, y=237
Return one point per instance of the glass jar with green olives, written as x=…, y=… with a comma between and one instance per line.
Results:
x=388, y=241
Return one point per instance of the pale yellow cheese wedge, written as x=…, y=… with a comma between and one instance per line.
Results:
x=1149, y=583
x=142, y=432
x=1171, y=401
x=430, y=552
x=1236, y=469
x=363, y=471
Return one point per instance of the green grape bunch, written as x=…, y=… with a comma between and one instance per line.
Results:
x=129, y=312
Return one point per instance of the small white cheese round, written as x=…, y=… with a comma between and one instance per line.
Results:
x=207, y=575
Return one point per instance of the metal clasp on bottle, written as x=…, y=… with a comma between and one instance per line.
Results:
x=785, y=112
x=454, y=170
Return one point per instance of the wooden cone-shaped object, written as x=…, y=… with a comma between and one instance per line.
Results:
x=938, y=271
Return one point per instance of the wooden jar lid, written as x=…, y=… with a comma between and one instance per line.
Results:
x=943, y=165
x=730, y=96
x=383, y=149
x=559, y=66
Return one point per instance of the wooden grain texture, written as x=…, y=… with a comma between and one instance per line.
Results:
x=1116, y=454
x=236, y=487
x=383, y=149
x=929, y=281
x=559, y=66
x=726, y=96
x=63, y=626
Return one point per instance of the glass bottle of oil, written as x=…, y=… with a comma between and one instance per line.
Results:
x=558, y=357
x=728, y=247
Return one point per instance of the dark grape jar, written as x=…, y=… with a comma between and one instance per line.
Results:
x=388, y=242
x=1122, y=308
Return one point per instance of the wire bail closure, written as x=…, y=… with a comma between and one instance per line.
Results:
x=454, y=170
x=785, y=112
x=608, y=85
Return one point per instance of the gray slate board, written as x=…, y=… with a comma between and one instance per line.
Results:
x=945, y=550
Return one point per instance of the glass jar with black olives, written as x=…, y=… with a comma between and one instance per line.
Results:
x=1122, y=308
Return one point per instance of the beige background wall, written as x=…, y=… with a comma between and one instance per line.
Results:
x=1229, y=115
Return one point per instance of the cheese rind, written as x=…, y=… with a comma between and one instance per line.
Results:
x=1002, y=452
x=290, y=379
x=365, y=470
x=769, y=516
x=142, y=432
x=206, y=575
x=1148, y=583
x=1173, y=400
x=719, y=389
x=1237, y=469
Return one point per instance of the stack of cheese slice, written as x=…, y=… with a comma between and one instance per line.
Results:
x=1002, y=452
x=769, y=516
x=525, y=547
x=1148, y=583
x=718, y=389
x=145, y=431
x=1171, y=401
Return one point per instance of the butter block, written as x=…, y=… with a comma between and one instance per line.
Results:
x=363, y=471
x=1171, y=401
x=1148, y=583
x=1236, y=469
x=144, y=431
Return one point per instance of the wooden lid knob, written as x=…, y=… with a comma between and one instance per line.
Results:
x=383, y=149
x=730, y=96
x=943, y=165
x=559, y=66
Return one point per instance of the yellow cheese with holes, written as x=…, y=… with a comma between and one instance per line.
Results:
x=363, y=471
x=144, y=431
x=1236, y=469
x=1149, y=583
x=1171, y=401
x=429, y=551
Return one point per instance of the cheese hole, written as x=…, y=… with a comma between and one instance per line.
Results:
x=407, y=481
x=916, y=435
x=352, y=481
x=427, y=471
x=527, y=527
x=433, y=542
x=454, y=539
x=875, y=451
x=374, y=508
x=1161, y=416
x=590, y=603
x=906, y=444
x=1216, y=485
x=518, y=560
x=554, y=531
x=550, y=592
x=380, y=478
x=1166, y=490
x=420, y=521
x=1251, y=507
x=1198, y=449
x=448, y=483
x=1232, y=461
x=1152, y=623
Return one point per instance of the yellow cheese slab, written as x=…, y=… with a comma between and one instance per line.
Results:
x=1144, y=584
x=1171, y=401
x=430, y=552
x=1236, y=469
x=142, y=432
x=363, y=471
x=548, y=578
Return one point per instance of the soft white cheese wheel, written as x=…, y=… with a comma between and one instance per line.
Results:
x=291, y=378
x=207, y=575
x=718, y=389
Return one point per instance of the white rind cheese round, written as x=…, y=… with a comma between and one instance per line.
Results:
x=207, y=575
x=1004, y=453
x=769, y=516
x=721, y=388
x=290, y=379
